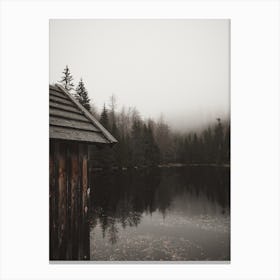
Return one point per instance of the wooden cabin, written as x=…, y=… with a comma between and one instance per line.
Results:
x=71, y=130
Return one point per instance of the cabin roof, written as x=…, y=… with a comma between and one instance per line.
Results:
x=69, y=120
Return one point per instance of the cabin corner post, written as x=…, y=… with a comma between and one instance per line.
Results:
x=62, y=199
x=84, y=182
x=53, y=204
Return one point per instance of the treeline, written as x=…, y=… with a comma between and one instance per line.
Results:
x=148, y=142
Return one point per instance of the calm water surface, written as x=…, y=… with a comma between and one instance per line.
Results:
x=160, y=214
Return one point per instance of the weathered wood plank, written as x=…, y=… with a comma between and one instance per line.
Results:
x=52, y=204
x=84, y=179
x=79, y=200
x=58, y=93
x=72, y=124
x=76, y=135
x=62, y=194
x=53, y=87
x=74, y=183
x=61, y=100
x=54, y=242
x=68, y=200
x=69, y=238
x=83, y=225
x=68, y=115
x=110, y=138
x=64, y=107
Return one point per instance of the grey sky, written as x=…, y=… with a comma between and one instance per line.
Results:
x=176, y=67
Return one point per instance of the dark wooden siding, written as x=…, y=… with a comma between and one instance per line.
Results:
x=69, y=201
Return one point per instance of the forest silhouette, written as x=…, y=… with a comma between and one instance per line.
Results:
x=150, y=143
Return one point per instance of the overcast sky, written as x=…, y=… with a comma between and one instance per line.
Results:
x=176, y=67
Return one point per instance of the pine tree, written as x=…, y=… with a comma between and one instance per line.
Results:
x=107, y=154
x=208, y=142
x=195, y=148
x=137, y=143
x=104, y=120
x=219, y=135
x=117, y=158
x=67, y=79
x=82, y=95
x=226, y=149
x=151, y=150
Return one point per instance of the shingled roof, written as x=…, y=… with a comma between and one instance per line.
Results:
x=69, y=120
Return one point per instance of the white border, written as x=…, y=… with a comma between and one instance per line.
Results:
x=255, y=138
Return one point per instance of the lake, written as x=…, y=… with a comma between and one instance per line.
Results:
x=160, y=214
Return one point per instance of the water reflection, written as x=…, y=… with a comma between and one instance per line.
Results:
x=160, y=214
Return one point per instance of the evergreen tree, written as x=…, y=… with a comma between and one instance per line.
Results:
x=164, y=141
x=104, y=120
x=126, y=150
x=67, y=79
x=151, y=150
x=137, y=144
x=106, y=153
x=82, y=95
x=116, y=149
x=208, y=145
x=187, y=150
x=219, y=141
x=179, y=155
x=195, y=148
x=226, y=151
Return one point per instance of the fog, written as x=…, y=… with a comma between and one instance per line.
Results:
x=178, y=68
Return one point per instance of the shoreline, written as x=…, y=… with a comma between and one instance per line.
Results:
x=167, y=165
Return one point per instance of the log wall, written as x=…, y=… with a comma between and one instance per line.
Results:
x=68, y=205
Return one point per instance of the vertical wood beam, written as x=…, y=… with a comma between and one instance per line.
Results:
x=74, y=185
x=62, y=205
x=53, y=192
x=69, y=201
x=52, y=224
x=84, y=180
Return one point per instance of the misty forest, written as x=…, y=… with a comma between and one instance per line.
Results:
x=148, y=142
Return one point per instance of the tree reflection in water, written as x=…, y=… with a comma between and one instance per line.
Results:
x=122, y=198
